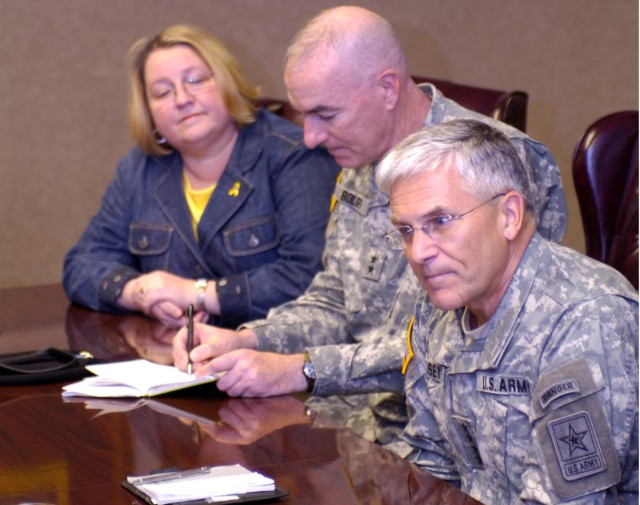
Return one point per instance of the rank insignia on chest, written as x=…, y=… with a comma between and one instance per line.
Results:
x=372, y=262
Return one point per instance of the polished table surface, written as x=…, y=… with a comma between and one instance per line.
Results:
x=61, y=451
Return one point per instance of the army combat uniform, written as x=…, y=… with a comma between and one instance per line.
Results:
x=540, y=404
x=353, y=317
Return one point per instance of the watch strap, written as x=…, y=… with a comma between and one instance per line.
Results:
x=309, y=372
x=201, y=290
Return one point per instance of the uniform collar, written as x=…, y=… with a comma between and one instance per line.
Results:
x=501, y=328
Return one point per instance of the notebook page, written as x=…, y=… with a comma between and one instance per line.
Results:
x=219, y=481
x=141, y=374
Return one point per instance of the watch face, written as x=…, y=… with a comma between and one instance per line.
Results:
x=308, y=370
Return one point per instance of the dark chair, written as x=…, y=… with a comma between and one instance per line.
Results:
x=605, y=175
x=509, y=107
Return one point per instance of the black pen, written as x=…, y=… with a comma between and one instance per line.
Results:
x=189, y=338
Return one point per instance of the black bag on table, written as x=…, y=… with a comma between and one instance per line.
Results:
x=47, y=365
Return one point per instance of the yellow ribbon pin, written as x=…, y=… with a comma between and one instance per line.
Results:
x=334, y=200
x=409, y=354
x=235, y=189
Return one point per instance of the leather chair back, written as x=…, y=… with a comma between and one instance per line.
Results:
x=605, y=175
x=507, y=106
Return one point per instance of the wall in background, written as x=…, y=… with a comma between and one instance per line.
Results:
x=63, y=87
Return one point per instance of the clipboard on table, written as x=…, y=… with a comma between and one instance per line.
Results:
x=220, y=485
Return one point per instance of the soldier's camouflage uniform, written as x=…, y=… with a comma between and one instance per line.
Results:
x=540, y=404
x=353, y=317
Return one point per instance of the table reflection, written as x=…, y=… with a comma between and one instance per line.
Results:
x=117, y=337
x=111, y=336
x=75, y=451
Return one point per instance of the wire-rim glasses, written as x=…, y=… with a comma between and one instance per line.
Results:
x=193, y=84
x=434, y=227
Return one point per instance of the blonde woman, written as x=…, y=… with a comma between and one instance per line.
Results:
x=220, y=205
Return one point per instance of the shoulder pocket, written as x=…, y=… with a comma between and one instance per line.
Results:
x=252, y=237
x=148, y=239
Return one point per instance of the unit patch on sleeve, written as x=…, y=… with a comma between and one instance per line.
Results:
x=573, y=429
x=578, y=449
x=576, y=445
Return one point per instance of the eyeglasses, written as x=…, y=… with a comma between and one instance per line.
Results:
x=435, y=227
x=193, y=84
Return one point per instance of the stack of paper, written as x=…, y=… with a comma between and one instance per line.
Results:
x=215, y=484
x=136, y=378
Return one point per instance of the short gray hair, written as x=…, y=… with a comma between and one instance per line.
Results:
x=483, y=156
x=365, y=41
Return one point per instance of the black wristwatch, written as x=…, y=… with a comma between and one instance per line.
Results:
x=309, y=372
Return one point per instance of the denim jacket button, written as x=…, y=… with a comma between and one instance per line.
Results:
x=143, y=243
x=254, y=241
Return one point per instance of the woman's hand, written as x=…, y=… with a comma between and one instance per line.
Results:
x=163, y=296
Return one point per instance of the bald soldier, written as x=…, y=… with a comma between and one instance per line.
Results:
x=346, y=72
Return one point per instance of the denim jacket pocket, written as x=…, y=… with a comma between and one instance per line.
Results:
x=252, y=237
x=147, y=239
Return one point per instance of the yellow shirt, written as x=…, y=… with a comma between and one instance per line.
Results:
x=197, y=200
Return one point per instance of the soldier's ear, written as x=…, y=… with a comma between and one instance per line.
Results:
x=389, y=83
x=512, y=214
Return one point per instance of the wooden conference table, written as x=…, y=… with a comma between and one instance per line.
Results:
x=56, y=451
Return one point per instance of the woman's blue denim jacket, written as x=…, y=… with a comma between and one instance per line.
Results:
x=261, y=236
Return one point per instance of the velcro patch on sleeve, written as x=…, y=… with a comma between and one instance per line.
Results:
x=558, y=390
x=573, y=431
x=576, y=446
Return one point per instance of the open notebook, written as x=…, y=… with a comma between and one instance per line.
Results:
x=136, y=378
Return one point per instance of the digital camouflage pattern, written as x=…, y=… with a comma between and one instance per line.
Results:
x=544, y=178
x=541, y=406
x=353, y=317
x=346, y=318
